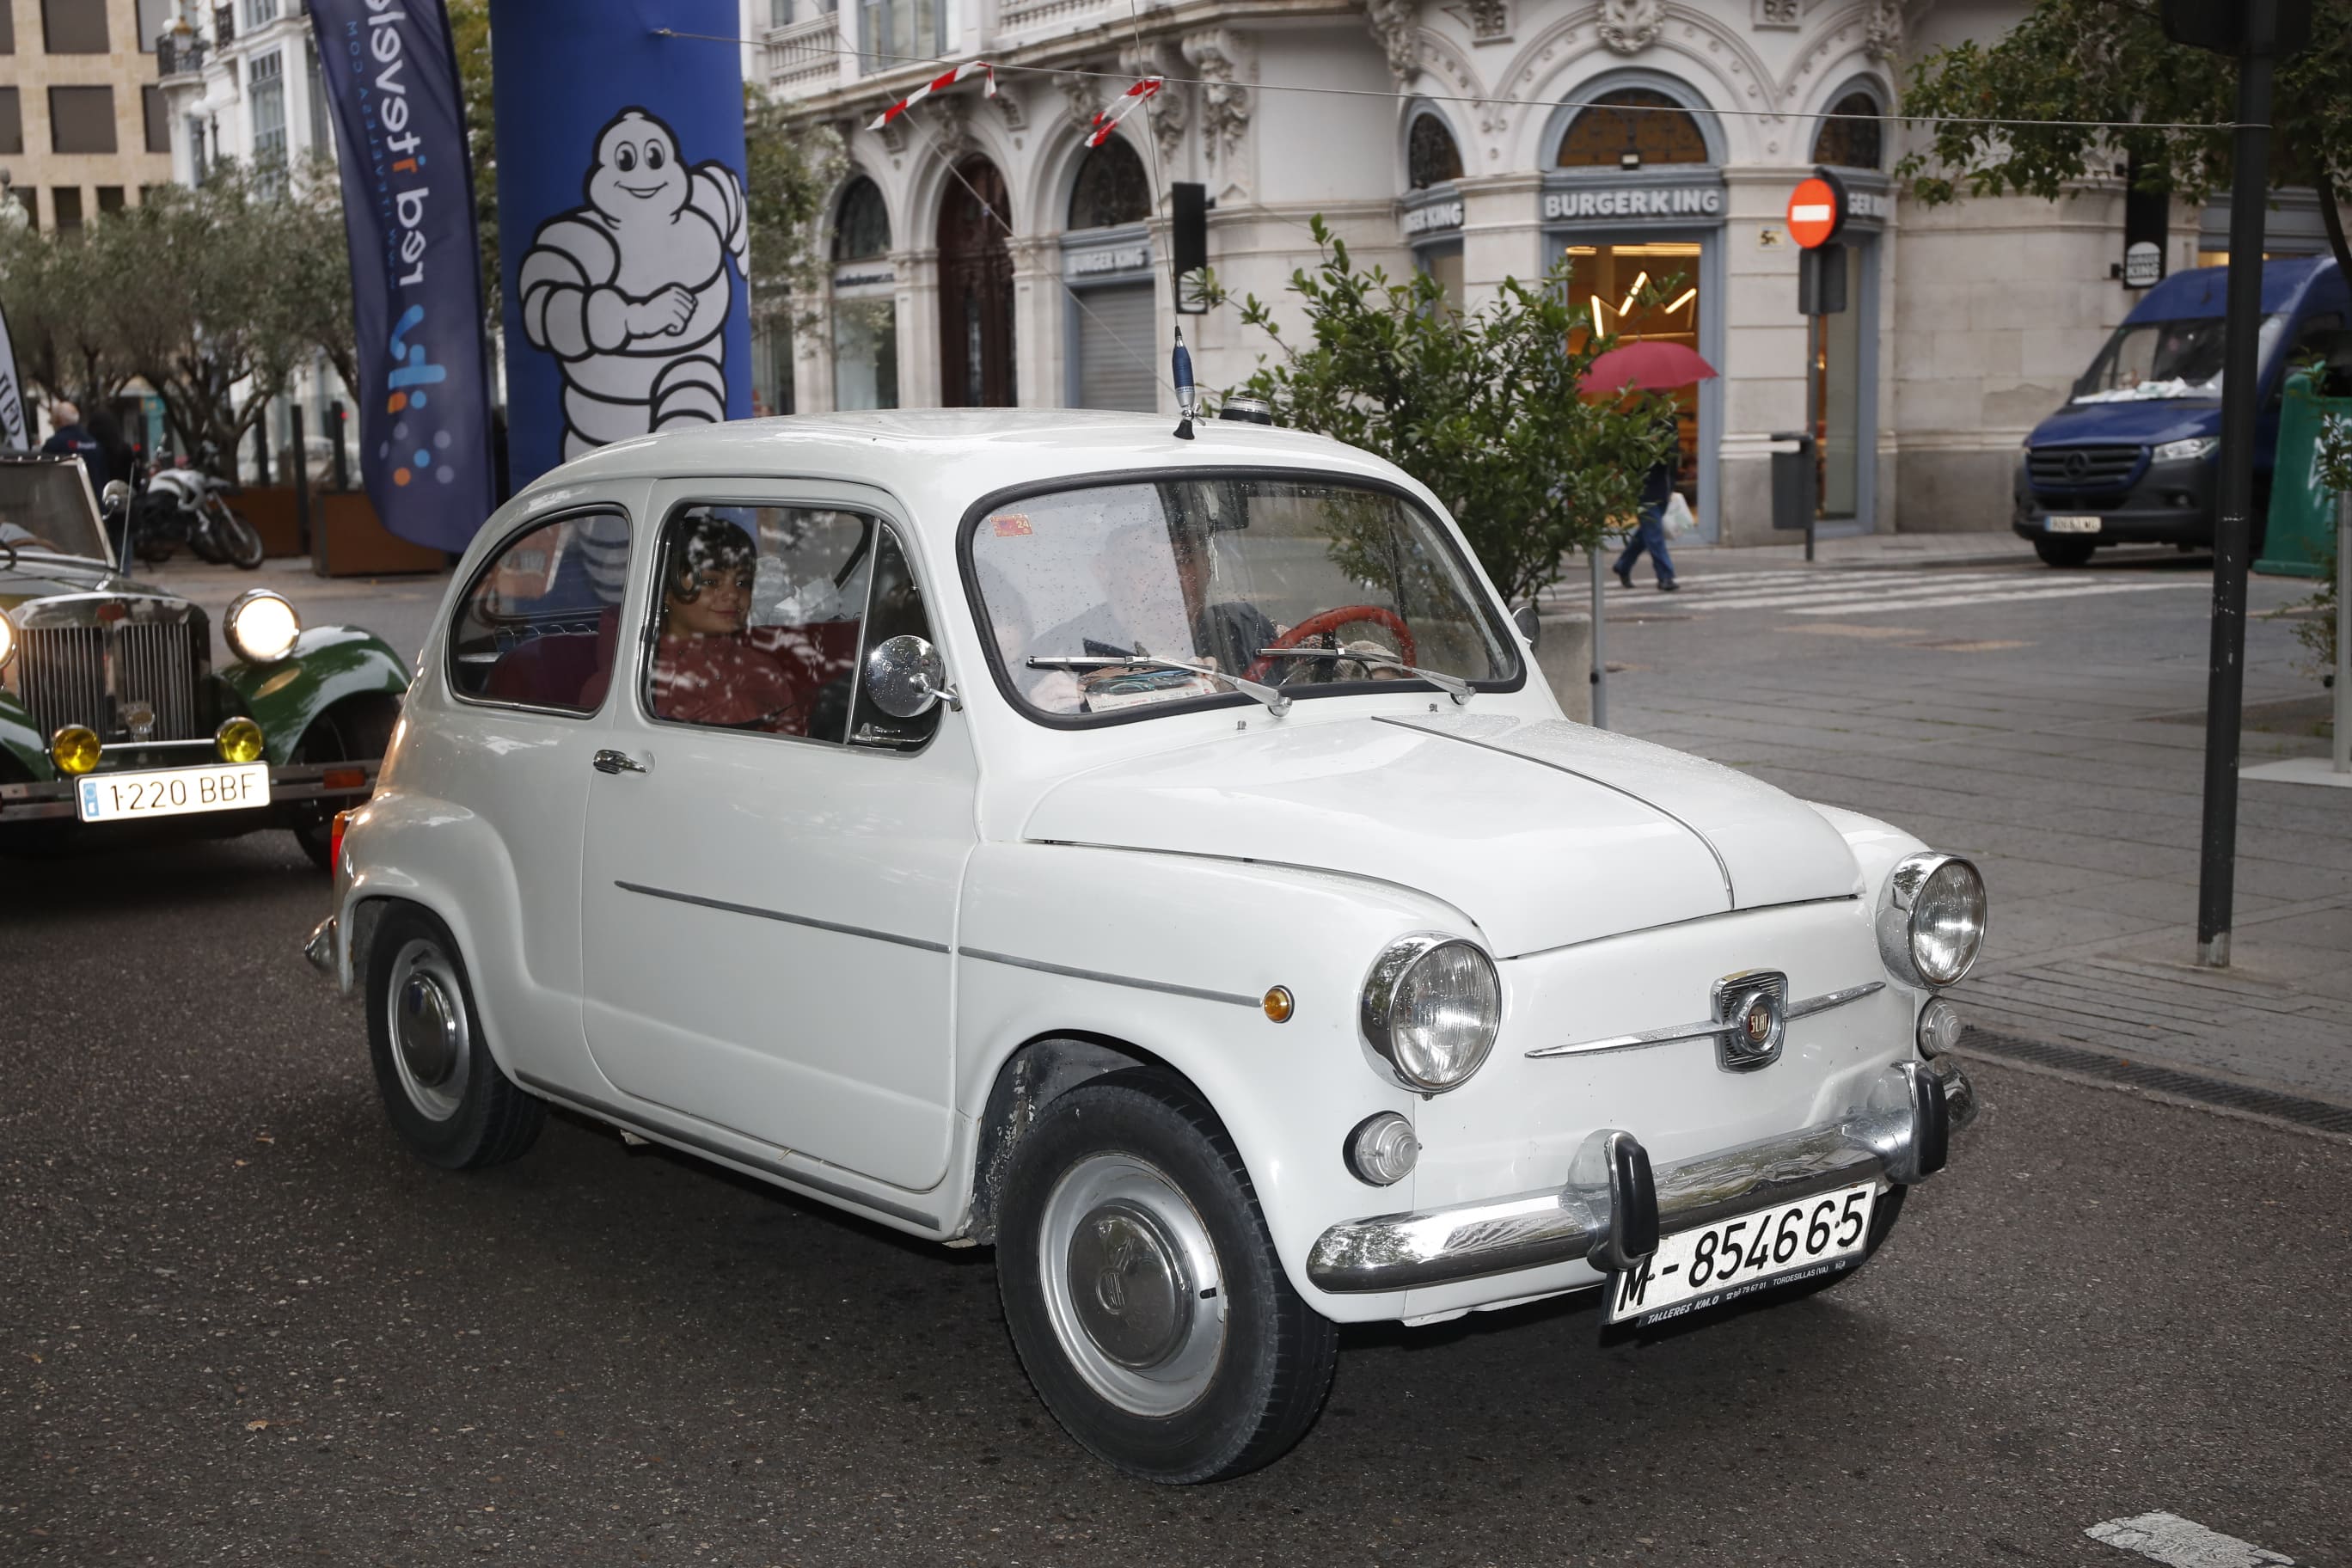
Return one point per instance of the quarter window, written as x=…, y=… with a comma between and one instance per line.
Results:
x=537, y=627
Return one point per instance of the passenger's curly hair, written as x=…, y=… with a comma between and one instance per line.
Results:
x=706, y=544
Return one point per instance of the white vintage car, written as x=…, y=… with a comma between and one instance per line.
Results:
x=1149, y=855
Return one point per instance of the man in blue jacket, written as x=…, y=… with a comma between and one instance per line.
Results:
x=70, y=440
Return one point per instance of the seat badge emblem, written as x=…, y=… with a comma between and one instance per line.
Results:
x=139, y=717
x=1753, y=1008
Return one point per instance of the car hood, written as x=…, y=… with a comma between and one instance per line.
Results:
x=1543, y=832
x=2142, y=424
x=45, y=577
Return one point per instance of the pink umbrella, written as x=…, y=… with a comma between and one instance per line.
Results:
x=1647, y=366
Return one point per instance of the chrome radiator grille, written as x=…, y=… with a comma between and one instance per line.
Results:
x=87, y=675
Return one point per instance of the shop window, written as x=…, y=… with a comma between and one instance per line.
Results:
x=65, y=202
x=1430, y=158
x=81, y=119
x=1632, y=127
x=11, y=122
x=1847, y=140
x=259, y=13
x=110, y=199
x=862, y=231
x=1111, y=188
x=74, y=27
x=864, y=354
x=8, y=29
x=893, y=32
x=266, y=77
x=1647, y=292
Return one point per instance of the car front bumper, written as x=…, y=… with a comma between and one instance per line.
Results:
x=1899, y=1132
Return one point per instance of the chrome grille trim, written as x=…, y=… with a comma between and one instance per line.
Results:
x=82, y=675
x=1711, y=1029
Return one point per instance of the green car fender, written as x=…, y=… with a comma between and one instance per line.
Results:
x=327, y=666
x=26, y=747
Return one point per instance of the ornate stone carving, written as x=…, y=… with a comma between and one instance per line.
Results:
x=1084, y=95
x=1788, y=15
x=950, y=126
x=1628, y=27
x=1221, y=60
x=1166, y=111
x=1881, y=34
x=1396, y=24
x=1489, y=21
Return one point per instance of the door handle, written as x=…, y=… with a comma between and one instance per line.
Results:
x=610, y=762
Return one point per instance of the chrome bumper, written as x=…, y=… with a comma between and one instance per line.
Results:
x=319, y=949
x=1900, y=1132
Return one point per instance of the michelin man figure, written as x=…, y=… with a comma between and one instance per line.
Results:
x=631, y=292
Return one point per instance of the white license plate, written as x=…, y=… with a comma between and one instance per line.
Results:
x=2056, y=524
x=1693, y=1269
x=173, y=792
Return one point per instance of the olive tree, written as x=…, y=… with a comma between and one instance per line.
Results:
x=1483, y=407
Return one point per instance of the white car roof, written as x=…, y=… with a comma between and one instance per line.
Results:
x=938, y=461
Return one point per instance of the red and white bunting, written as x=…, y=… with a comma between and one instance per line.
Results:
x=969, y=69
x=1107, y=121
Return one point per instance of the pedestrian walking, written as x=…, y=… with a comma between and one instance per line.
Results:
x=1657, y=489
x=69, y=439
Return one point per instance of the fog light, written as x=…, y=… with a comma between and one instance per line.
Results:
x=74, y=749
x=1382, y=1150
x=1940, y=1028
x=238, y=741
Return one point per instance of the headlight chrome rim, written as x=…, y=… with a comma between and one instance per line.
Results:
x=1387, y=983
x=1910, y=888
x=7, y=639
x=241, y=640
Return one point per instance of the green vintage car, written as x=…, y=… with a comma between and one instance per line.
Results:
x=114, y=721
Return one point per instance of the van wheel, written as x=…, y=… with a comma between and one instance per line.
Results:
x=446, y=1096
x=2063, y=549
x=1142, y=1291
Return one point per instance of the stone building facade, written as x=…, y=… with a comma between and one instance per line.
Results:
x=82, y=111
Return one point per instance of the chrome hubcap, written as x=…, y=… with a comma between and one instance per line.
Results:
x=1132, y=1285
x=432, y=1048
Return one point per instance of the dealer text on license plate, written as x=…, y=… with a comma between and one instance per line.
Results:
x=2057, y=523
x=173, y=792
x=1721, y=1262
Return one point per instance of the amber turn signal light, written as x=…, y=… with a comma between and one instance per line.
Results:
x=75, y=749
x=1279, y=1005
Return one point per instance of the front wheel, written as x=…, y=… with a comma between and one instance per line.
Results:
x=1142, y=1289
x=2063, y=549
x=444, y=1095
x=237, y=540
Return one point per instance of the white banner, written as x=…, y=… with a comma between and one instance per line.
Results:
x=14, y=430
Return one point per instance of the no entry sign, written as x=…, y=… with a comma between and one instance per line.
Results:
x=1816, y=211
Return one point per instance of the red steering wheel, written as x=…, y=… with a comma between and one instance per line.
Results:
x=1324, y=621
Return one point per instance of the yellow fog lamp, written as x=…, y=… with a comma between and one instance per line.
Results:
x=239, y=740
x=75, y=749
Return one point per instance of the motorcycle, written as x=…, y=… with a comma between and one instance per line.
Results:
x=186, y=506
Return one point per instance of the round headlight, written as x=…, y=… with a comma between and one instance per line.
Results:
x=238, y=741
x=261, y=626
x=1931, y=919
x=7, y=639
x=75, y=749
x=1431, y=1006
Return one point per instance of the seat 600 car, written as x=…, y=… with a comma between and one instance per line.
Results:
x=116, y=725
x=1151, y=857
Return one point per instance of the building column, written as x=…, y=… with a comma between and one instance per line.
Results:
x=1764, y=342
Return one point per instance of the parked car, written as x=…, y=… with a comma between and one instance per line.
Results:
x=114, y=721
x=1152, y=857
x=2133, y=457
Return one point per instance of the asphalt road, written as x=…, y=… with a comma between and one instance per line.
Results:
x=239, y=1323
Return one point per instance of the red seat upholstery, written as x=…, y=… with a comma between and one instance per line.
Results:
x=566, y=668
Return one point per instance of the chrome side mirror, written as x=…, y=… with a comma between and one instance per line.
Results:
x=114, y=497
x=1530, y=625
x=906, y=678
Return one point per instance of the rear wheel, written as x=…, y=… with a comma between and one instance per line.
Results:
x=1142, y=1291
x=355, y=731
x=2063, y=549
x=444, y=1094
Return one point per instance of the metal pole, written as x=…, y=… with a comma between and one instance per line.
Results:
x=2225, y=686
x=1812, y=449
x=2343, y=632
x=1599, y=654
x=309, y=535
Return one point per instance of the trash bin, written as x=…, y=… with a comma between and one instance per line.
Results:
x=1793, y=499
x=2301, y=534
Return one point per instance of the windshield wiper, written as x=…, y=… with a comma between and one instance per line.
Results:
x=1454, y=686
x=1277, y=703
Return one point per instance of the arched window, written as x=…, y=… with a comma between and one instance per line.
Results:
x=1632, y=127
x=1850, y=144
x=862, y=229
x=1111, y=188
x=1430, y=158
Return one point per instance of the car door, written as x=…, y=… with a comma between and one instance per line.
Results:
x=771, y=868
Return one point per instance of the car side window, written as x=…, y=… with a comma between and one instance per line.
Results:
x=538, y=624
x=756, y=616
x=897, y=611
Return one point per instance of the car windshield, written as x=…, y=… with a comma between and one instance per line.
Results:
x=45, y=507
x=2161, y=361
x=1311, y=587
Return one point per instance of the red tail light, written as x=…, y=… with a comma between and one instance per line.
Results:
x=335, y=843
x=343, y=778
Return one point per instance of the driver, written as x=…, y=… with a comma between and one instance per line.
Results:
x=705, y=671
x=1133, y=568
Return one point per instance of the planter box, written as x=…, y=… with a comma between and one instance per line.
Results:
x=346, y=541
x=270, y=508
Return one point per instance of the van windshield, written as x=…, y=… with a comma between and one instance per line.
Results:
x=2162, y=361
x=1091, y=594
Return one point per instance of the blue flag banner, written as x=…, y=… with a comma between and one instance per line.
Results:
x=622, y=223
x=416, y=273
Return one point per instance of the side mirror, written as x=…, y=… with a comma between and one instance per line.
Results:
x=1530, y=625
x=114, y=497
x=906, y=678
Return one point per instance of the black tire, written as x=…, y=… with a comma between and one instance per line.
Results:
x=2063, y=549
x=238, y=541
x=469, y=1115
x=1270, y=1366
x=1882, y=1220
x=355, y=730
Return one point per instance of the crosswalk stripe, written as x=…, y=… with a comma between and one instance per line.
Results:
x=1743, y=589
x=1870, y=605
x=1701, y=599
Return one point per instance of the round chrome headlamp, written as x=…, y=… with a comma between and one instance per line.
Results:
x=261, y=626
x=1431, y=1007
x=7, y=639
x=1931, y=919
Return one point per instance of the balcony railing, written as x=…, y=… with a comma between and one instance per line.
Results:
x=805, y=57
x=178, y=56
x=223, y=23
x=1031, y=16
